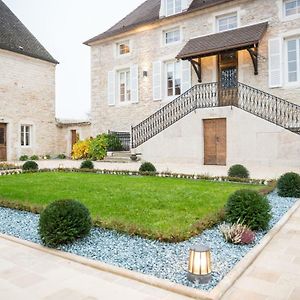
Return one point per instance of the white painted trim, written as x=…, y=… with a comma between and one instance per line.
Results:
x=169, y=29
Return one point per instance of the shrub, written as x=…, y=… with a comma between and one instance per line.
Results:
x=147, y=167
x=30, y=165
x=237, y=233
x=98, y=148
x=113, y=142
x=289, y=185
x=23, y=158
x=34, y=157
x=238, y=171
x=249, y=207
x=81, y=149
x=87, y=164
x=63, y=222
x=61, y=156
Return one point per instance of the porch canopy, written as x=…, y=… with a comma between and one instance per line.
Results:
x=233, y=40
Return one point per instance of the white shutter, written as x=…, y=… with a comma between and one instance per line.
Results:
x=275, y=63
x=134, y=81
x=157, y=80
x=162, y=11
x=111, y=88
x=185, y=75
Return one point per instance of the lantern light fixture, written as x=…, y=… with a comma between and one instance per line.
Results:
x=199, y=268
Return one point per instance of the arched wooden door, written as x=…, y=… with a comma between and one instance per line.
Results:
x=3, y=148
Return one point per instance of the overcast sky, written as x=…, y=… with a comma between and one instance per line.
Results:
x=62, y=26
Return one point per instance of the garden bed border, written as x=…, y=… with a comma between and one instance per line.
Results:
x=214, y=294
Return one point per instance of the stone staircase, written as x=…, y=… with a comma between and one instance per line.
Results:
x=118, y=157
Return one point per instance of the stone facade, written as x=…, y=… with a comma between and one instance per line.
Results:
x=27, y=93
x=147, y=46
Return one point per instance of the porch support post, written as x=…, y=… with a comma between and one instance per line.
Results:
x=254, y=56
x=197, y=67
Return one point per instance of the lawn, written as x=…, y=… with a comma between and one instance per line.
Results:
x=152, y=206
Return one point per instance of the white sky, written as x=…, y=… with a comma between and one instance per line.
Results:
x=62, y=26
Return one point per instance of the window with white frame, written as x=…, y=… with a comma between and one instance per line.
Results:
x=291, y=8
x=227, y=22
x=124, y=86
x=123, y=48
x=26, y=135
x=173, y=7
x=173, y=78
x=172, y=36
x=293, y=60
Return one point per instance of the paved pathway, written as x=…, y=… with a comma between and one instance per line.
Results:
x=275, y=274
x=29, y=274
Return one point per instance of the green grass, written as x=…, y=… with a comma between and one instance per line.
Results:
x=165, y=208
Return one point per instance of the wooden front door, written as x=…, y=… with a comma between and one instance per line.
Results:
x=228, y=78
x=215, y=142
x=3, y=150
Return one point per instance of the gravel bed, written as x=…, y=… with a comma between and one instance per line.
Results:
x=163, y=260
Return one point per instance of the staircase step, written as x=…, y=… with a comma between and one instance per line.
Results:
x=125, y=154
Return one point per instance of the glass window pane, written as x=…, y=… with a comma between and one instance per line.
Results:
x=177, y=6
x=227, y=23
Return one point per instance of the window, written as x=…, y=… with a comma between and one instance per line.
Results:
x=25, y=135
x=172, y=36
x=227, y=22
x=173, y=78
x=124, y=86
x=291, y=8
x=293, y=60
x=123, y=48
x=173, y=7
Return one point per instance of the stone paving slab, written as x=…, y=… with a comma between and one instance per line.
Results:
x=275, y=273
x=29, y=274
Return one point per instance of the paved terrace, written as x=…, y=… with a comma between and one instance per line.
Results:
x=26, y=273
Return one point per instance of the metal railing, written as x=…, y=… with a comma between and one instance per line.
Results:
x=254, y=101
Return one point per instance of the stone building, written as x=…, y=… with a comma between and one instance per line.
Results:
x=203, y=83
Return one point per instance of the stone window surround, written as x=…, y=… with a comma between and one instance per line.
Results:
x=172, y=29
x=225, y=16
x=126, y=42
x=26, y=124
x=284, y=16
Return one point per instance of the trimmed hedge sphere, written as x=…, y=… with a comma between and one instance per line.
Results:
x=147, y=167
x=250, y=208
x=238, y=171
x=30, y=165
x=64, y=221
x=289, y=185
x=87, y=164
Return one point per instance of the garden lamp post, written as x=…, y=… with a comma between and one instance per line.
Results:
x=199, y=268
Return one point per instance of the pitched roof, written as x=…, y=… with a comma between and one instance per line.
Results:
x=148, y=12
x=14, y=36
x=215, y=43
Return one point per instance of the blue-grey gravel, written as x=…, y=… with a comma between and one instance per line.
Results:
x=163, y=260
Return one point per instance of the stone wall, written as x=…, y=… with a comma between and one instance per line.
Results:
x=27, y=93
x=265, y=149
x=147, y=47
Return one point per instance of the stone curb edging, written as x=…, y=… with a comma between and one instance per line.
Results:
x=147, y=279
x=249, y=258
x=215, y=294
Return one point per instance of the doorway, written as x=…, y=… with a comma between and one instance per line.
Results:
x=3, y=147
x=228, y=78
x=215, y=142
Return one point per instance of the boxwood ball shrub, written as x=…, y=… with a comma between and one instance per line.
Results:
x=30, y=166
x=238, y=171
x=87, y=164
x=23, y=158
x=289, y=185
x=64, y=221
x=147, y=167
x=250, y=208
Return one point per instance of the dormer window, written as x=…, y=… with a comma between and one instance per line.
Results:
x=173, y=7
x=123, y=48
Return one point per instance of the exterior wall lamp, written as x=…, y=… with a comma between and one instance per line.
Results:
x=145, y=74
x=199, y=268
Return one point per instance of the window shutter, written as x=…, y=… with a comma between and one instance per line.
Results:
x=185, y=75
x=157, y=80
x=134, y=81
x=275, y=63
x=111, y=88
